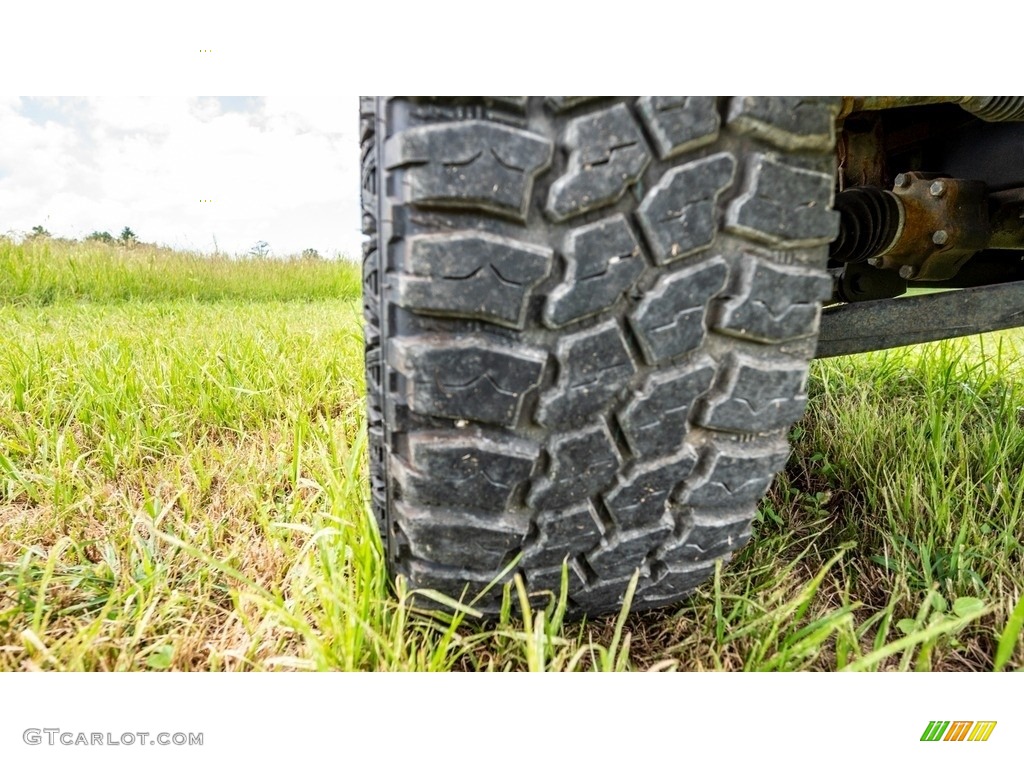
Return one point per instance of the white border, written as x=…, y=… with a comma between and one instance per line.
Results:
x=514, y=720
x=474, y=46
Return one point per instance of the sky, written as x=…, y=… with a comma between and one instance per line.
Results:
x=198, y=173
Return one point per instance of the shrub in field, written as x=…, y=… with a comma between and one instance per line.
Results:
x=128, y=237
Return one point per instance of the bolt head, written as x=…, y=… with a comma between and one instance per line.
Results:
x=874, y=261
x=940, y=237
x=938, y=188
x=907, y=271
x=902, y=180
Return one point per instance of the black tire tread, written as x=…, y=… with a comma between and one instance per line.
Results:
x=580, y=327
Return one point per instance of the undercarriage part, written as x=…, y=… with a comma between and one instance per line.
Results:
x=859, y=282
x=861, y=152
x=927, y=227
x=984, y=268
x=852, y=328
x=943, y=222
x=1007, y=220
x=989, y=152
x=853, y=104
x=869, y=222
x=993, y=109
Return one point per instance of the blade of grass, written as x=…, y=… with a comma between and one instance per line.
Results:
x=1010, y=636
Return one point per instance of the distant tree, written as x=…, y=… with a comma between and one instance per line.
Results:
x=128, y=237
x=103, y=237
x=40, y=231
x=260, y=250
x=312, y=254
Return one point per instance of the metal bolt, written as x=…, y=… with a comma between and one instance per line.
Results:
x=907, y=271
x=938, y=188
x=902, y=180
x=874, y=261
x=940, y=237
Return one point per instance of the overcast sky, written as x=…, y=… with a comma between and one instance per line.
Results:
x=283, y=169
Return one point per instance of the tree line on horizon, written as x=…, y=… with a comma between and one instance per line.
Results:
x=128, y=238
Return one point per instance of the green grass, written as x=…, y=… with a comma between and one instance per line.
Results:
x=183, y=486
x=44, y=271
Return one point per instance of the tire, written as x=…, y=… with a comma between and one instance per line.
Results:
x=588, y=328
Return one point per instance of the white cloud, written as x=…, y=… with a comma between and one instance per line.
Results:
x=284, y=169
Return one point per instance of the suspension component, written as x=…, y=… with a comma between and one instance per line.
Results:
x=851, y=328
x=925, y=229
x=869, y=222
x=993, y=109
x=944, y=222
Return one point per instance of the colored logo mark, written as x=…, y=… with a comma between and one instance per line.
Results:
x=958, y=730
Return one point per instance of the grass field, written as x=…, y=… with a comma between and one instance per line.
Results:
x=183, y=471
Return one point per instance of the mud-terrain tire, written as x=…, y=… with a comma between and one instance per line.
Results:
x=588, y=327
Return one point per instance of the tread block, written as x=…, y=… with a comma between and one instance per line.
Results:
x=565, y=103
x=464, y=107
x=470, y=472
x=513, y=102
x=593, y=366
x=468, y=377
x=367, y=117
x=734, y=474
x=599, y=595
x=656, y=420
x=471, y=275
x=676, y=581
x=543, y=580
x=640, y=499
x=784, y=206
x=680, y=123
x=709, y=536
x=371, y=297
x=378, y=477
x=562, y=534
x=788, y=122
x=470, y=164
x=604, y=261
x=374, y=376
x=456, y=537
x=773, y=302
x=625, y=551
x=463, y=585
x=678, y=214
x=755, y=396
x=607, y=155
x=670, y=320
x=368, y=193
x=582, y=464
